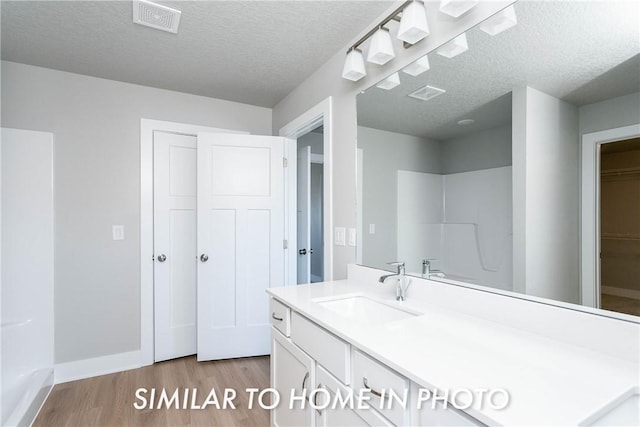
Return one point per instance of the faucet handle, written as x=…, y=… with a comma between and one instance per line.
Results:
x=399, y=265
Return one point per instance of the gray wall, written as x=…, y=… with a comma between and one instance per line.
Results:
x=327, y=81
x=96, y=124
x=384, y=153
x=545, y=196
x=315, y=140
x=610, y=114
x=486, y=149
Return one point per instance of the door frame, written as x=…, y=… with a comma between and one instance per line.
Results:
x=590, y=209
x=147, y=127
x=321, y=113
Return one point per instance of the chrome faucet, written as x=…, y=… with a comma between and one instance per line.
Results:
x=427, y=271
x=401, y=287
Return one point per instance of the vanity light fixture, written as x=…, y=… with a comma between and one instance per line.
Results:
x=380, y=49
x=413, y=25
x=426, y=93
x=390, y=82
x=418, y=67
x=500, y=22
x=455, y=47
x=456, y=8
x=354, y=66
x=412, y=16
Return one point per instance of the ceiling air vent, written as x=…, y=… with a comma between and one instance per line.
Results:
x=156, y=16
x=426, y=93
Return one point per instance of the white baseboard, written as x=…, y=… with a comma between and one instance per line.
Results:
x=621, y=292
x=87, y=368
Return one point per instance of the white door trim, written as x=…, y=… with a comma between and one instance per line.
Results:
x=147, y=126
x=319, y=114
x=590, y=212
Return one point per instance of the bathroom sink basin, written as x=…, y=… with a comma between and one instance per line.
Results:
x=363, y=309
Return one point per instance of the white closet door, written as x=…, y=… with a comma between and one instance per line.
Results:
x=240, y=241
x=174, y=217
x=304, y=215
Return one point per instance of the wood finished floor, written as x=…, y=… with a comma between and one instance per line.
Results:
x=108, y=400
x=621, y=304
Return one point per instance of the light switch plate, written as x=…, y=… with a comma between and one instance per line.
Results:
x=372, y=229
x=352, y=237
x=118, y=232
x=340, y=236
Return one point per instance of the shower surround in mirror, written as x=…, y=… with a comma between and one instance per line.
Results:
x=449, y=201
x=463, y=227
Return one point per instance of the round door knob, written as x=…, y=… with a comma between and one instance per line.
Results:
x=204, y=257
x=162, y=258
x=302, y=251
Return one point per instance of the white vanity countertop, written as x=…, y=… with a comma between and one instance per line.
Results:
x=550, y=382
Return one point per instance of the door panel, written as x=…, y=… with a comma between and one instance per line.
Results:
x=241, y=230
x=304, y=214
x=175, y=238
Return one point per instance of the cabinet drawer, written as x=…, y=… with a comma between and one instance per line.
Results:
x=331, y=416
x=369, y=373
x=327, y=349
x=280, y=317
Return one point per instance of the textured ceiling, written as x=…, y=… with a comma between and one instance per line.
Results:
x=581, y=52
x=253, y=52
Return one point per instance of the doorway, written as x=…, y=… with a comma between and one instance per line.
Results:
x=309, y=202
x=620, y=226
x=590, y=212
x=315, y=119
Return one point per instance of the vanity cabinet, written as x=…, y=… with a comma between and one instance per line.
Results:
x=431, y=414
x=305, y=355
x=334, y=417
x=311, y=357
x=280, y=317
x=371, y=374
x=324, y=347
x=291, y=369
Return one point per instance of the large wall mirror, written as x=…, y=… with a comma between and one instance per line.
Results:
x=469, y=172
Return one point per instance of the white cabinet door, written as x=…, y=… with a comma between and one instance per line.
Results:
x=327, y=415
x=174, y=241
x=240, y=241
x=291, y=371
x=304, y=215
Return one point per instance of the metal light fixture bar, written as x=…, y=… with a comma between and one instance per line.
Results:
x=393, y=16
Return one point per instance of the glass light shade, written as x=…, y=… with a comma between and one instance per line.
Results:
x=380, y=49
x=418, y=67
x=456, y=8
x=354, y=66
x=499, y=22
x=390, y=82
x=455, y=47
x=413, y=25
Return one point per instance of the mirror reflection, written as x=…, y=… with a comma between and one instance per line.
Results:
x=469, y=168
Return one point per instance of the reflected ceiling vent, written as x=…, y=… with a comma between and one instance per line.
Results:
x=156, y=16
x=426, y=93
